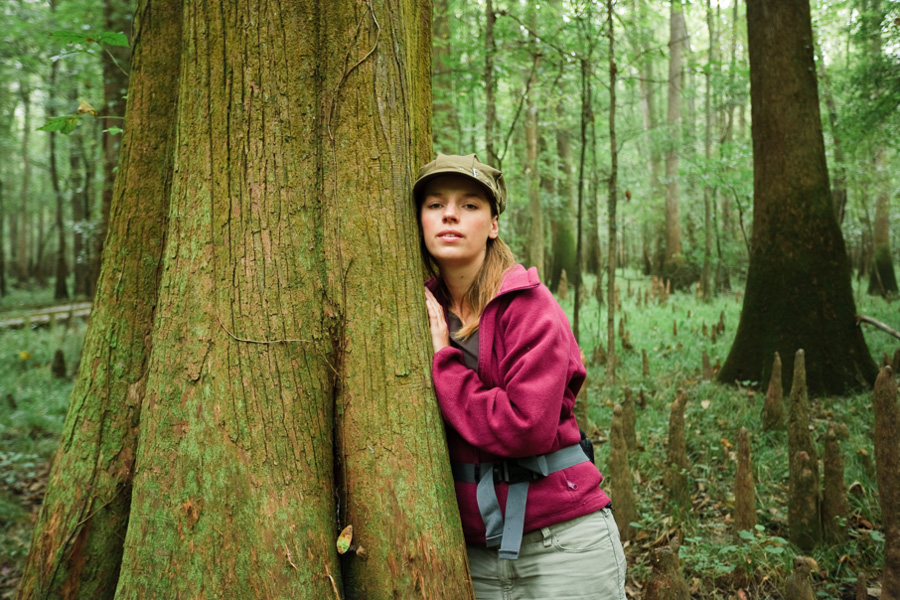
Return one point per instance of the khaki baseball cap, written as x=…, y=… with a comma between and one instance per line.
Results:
x=468, y=166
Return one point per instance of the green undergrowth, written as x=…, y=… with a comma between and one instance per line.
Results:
x=716, y=564
x=33, y=407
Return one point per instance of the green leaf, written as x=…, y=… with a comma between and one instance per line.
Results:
x=71, y=37
x=113, y=39
x=774, y=549
x=65, y=125
x=745, y=535
x=114, y=130
x=876, y=535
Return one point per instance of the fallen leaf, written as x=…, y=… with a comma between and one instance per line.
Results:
x=343, y=541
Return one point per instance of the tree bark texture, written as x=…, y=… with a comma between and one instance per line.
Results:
x=611, y=231
x=276, y=381
x=798, y=291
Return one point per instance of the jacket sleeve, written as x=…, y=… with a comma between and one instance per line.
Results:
x=520, y=416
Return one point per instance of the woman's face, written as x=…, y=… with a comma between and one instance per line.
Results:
x=457, y=221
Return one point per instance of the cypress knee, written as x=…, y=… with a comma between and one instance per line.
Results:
x=798, y=586
x=645, y=364
x=666, y=581
x=619, y=482
x=804, y=519
x=887, y=467
x=744, y=488
x=629, y=419
x=675, y=478
x=707, y=367
x=835, y=507
x=773, y=409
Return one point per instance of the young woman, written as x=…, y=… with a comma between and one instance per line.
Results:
x=507, y=369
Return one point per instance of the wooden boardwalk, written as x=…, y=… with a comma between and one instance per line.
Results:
x=46, y=317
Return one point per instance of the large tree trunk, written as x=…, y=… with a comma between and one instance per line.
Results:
x=798, y=291
x=271, y=405
x=116, y=66
x=673, y=265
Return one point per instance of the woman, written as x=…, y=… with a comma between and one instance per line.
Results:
x=507, y=370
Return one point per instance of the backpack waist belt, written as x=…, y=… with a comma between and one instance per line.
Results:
x=518, y=473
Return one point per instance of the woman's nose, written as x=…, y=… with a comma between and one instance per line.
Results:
x=450, y=214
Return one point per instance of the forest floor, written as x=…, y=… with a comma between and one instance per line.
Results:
x=33, y=405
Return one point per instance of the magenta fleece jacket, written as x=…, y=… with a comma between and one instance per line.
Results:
x=519, y=402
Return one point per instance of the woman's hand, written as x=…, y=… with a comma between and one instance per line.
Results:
x=440, y=335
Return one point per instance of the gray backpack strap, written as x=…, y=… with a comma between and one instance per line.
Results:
x=514, y=526
x=489, y=506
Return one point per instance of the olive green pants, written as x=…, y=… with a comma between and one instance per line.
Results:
x=580, y=559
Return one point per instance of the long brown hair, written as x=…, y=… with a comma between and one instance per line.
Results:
x=498, y=258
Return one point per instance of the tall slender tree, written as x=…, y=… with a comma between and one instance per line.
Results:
x=798, y=292
x=673, y=265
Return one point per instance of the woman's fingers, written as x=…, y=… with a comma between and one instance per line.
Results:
x=440, y=336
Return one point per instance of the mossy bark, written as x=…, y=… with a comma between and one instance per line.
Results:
x=744, y=487
x=773, y=408
x=798, y=292
x=77, y=545
x=285, y=389
x=619, y=482
x=887, y=464
x=675, y=478
x=835, y=507
x=804, y=517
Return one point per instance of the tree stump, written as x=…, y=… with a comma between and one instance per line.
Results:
x=675, y=478
x=835, y=507
x=666, y=580
x=744, y=488
x=773, y=409
x=798, y=586
x=804, y=517
x=619, y=484
x=887, y=467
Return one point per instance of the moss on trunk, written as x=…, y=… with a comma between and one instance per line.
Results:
x=887, y=463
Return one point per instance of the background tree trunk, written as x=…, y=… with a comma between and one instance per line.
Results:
x=674, y=260
x=61, y=272
x=116, y=14
x=535, y=246
x=490, y=85
x=23, y=236
x=798, y=291
x=611, y=205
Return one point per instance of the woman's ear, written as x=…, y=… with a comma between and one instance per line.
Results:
x=495, y=228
